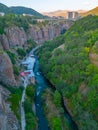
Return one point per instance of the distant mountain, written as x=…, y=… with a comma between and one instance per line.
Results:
x=58, y=13
x=5, y=9
x=24, y=10
x=19, y=10
x=93, y=12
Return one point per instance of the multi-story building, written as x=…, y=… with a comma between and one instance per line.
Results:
x=72, y=15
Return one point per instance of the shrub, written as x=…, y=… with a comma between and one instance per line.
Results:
x=57, y=98
x=56, y=123
x=31, y=122
x=16, y=70
x=12, y=57
x=21, y=52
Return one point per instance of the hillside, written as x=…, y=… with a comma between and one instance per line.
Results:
x=24, y=10
x=73, y=70
x=93, y=12
x=5, y=9
x=19, y=10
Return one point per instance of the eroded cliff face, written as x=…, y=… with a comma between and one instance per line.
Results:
x=15, y=36
x=8, y=120
x=6, y=70
x=47, y=32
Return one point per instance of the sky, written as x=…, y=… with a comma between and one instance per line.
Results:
x=53, y=5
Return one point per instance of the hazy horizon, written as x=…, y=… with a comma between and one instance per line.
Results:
x=53, y=5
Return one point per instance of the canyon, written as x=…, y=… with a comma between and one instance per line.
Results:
x=16, y=37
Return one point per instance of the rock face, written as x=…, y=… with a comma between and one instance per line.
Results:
x=8, y=120
x=16, y=36
x=6, y=70
x=48, y=32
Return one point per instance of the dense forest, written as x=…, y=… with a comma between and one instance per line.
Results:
x=70, y=63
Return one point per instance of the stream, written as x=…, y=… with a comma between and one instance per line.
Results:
x=41, y=85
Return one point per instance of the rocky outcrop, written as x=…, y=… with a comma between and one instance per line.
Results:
x=6, y=70
x=16, y=36
x=8, y=120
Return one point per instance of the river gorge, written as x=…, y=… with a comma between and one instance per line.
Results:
x=42, y=84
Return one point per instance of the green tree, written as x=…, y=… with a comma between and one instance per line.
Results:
x=57, y=98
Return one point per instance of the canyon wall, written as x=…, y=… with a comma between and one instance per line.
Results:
x=45, y=33
x=15, y=36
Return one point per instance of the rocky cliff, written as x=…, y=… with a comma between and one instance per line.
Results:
x=8, y=120
x=15, y=36
x=6, y=70
x=44, y=33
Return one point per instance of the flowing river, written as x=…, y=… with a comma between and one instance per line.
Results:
x=41, y=85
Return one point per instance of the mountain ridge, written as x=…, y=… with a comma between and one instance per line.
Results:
x=19, y=10
x=24, y=10
x=92, y=12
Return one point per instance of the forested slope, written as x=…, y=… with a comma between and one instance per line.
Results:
x=73, y=70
